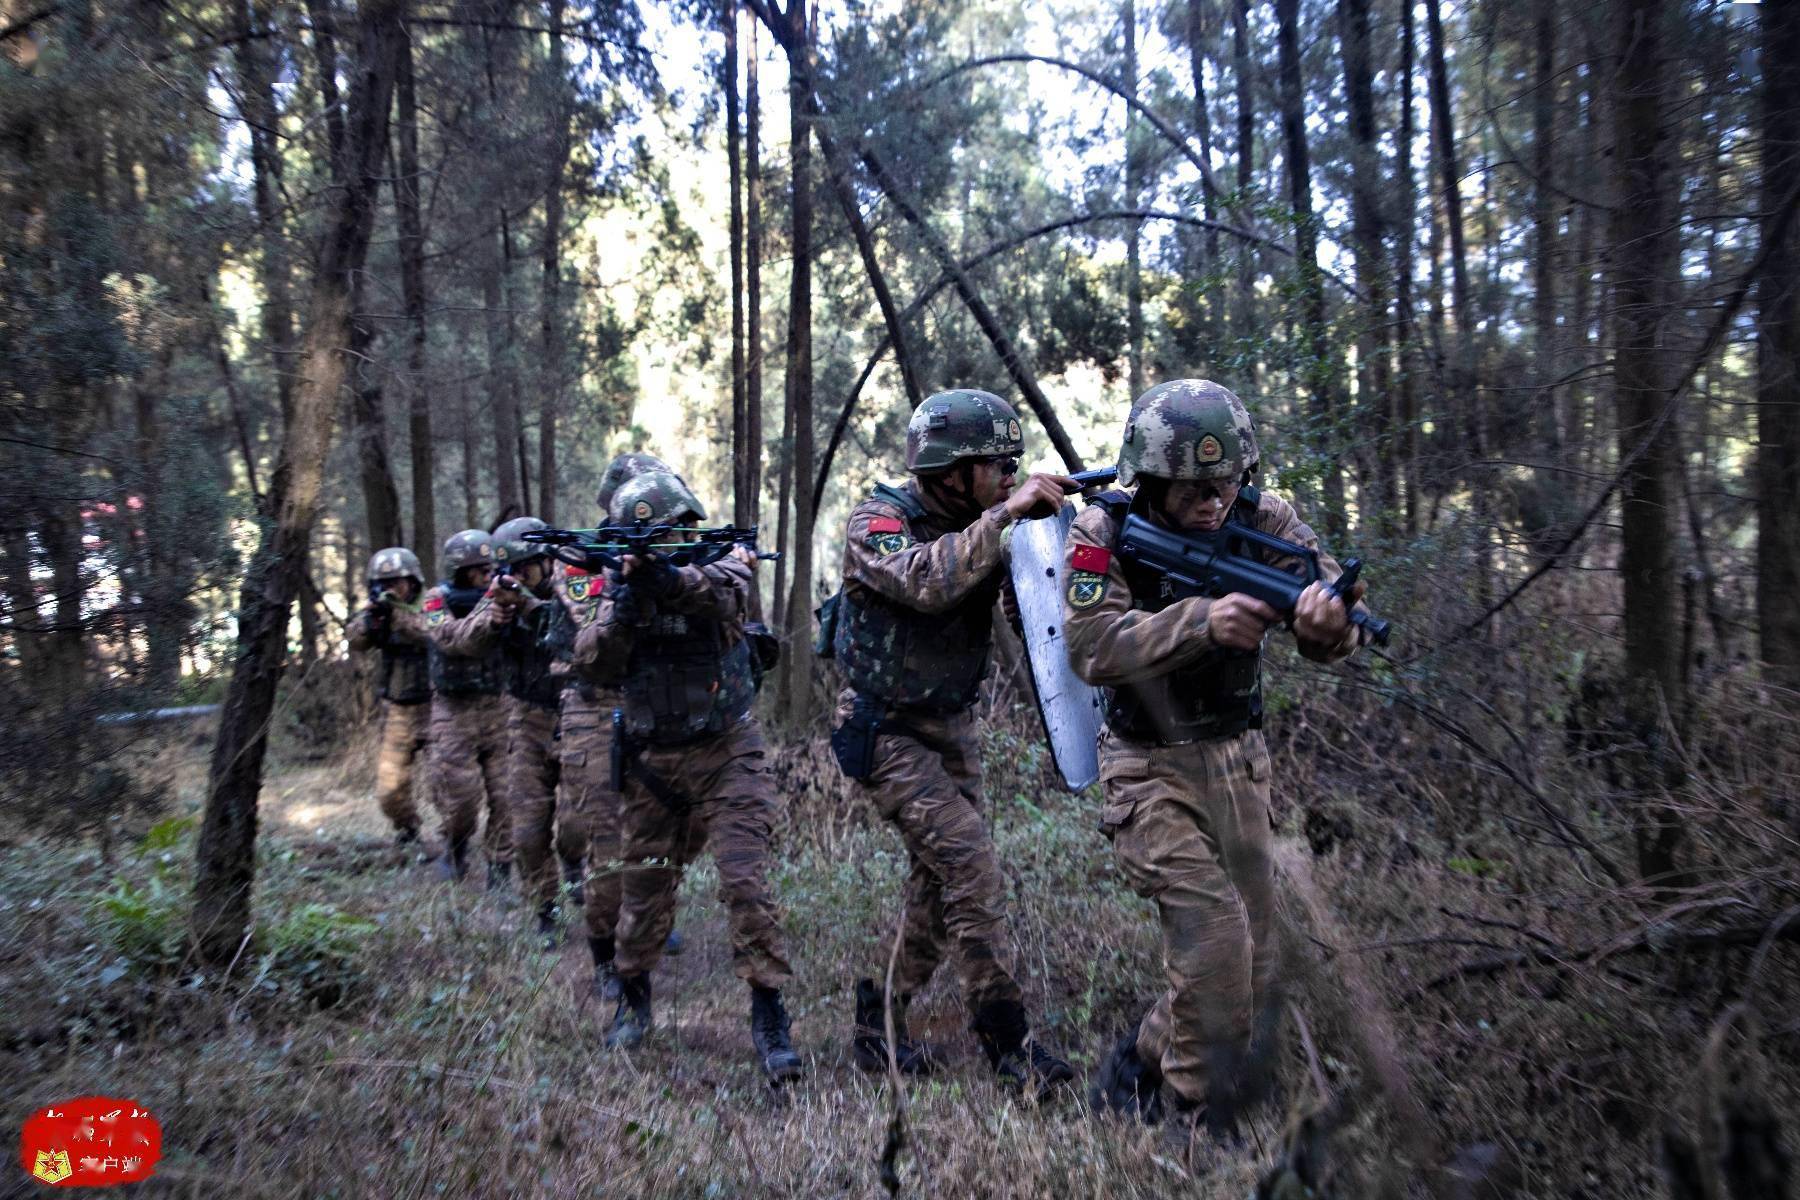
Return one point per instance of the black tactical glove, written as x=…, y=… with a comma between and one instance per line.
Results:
x=630, y=605
x=656, y=578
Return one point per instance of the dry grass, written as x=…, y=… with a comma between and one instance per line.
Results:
x=437, y=1052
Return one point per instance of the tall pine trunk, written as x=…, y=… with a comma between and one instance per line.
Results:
x=796, y=695
x=412, y=290
x=551, y=325
x=1134, y=229
x=743, y=444
x=1645, y=253
x=1778, y=357
x=1377, y=487
x=225, y=870
x=1320, y=371
x=1405, y=329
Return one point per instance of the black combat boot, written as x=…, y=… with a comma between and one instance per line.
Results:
x=405, y=836
x=1018, y=1063
x=869, y=1042
x=606, y=980
x=631, y=1020
x=1128, y=1085
x=769, y=1034
x=673, y=945
x=547, y=931
x=453, y=864
x=498, y=874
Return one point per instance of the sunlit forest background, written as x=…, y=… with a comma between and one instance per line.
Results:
x=1511, y=289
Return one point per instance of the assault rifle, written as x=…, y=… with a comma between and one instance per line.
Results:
x=1235, y=558
x=607, y=545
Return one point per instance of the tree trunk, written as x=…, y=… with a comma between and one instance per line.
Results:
x=1320, y=372
x=471, y=470
x=796, y=696
x=1778, y=358
x=554, y=368
x=502, y=399
x=1196, y=40
x=1405, y=330
x=1544, y=251
x=1134, y=229
x=256, y=87
x=753, y=349
x=1246, y=166
x=1466, y=402
x=1645, y=250
x=225, y=870
x=1377, y=481
x=412, y=287
x=743, y=444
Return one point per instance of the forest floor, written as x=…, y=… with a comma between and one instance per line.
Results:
x=387, y=1034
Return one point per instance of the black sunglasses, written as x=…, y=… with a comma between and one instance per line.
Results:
x=1009, y=464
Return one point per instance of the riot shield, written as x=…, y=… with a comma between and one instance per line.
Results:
x=1072, y=710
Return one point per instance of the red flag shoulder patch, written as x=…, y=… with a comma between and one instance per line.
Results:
x=1091, y=558
x=886, y=525
x=570, y=569
x=434, y=604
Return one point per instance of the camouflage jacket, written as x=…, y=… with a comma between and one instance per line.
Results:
x=916, y=621
x=402, y=640
x=465, y=655
x=1168, y=681
x=685, y=671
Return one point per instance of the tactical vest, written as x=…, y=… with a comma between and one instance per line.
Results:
x=1219, y=695
x=911, y=659
x=405, y=676
x=460, y=675
x=529, y=656
x=684, y=681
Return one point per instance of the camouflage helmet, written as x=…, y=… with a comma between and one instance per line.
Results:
x=510, y=547
x=470, y=548
x=960, y=424
x=629, y=466
x=396, y=562
x=656, y=496
x=1188, y=429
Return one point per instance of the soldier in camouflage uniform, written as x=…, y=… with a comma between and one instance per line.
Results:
x=585, y=787
x=513, y=619
x=468, y=718
x=1183, y=766
x=394, y=625
x=694, y=765
x=923, y=567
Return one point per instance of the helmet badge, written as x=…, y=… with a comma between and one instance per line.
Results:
x=1013, y=432
x=642, y=510
x=1210, y=450
x=487, y=551
x=500, y=553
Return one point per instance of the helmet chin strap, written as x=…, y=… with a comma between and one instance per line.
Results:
x=959, y=499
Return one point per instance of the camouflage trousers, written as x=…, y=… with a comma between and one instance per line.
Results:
x=587, y=807
x=468, y=771
x=929, y=789
x=1190, y=830
x=403, y=728
x=728, y=798
x=533, y=786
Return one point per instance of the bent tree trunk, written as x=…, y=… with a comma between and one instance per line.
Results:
x=225, y=871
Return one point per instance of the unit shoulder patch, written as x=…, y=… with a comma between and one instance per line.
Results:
x=1086, y=588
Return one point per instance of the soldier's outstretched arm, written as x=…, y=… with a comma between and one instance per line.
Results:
x=476, y=634
x=928, y=576
x=719, y=590
x=1108, y=641
x=406, y=626
x=1275, y=515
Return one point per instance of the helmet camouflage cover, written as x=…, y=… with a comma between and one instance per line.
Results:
x=1188, y=429
x=470, y=548
x=396, y=562
x=626, y=467
x=509, y=544
x=955, y=425
x=657, y=496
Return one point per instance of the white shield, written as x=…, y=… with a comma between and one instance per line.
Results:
x=1072, y=710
